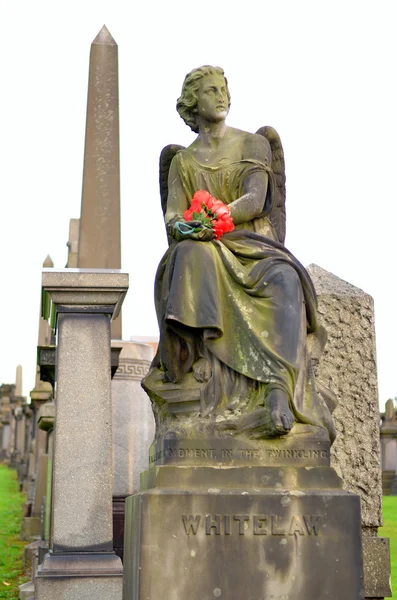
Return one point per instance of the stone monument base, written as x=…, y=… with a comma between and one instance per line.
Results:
x=73, y=575
x=252, y=532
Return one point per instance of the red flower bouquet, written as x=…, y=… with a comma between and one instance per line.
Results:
x=212, y=213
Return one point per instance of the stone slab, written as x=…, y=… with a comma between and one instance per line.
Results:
x=348, y=368
x=95, y=288
x=376, y=555
x=243, y=544
x=85, y=279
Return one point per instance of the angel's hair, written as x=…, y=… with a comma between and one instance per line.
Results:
x=187, y=102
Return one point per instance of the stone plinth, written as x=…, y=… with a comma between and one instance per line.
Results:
x=348, y=368
x=243, y=532
x=81, y=562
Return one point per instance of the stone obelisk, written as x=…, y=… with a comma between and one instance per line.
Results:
x=18, y=381
x=99, y=236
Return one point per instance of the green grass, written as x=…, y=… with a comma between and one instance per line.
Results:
x=11, y=547
x=390, y=531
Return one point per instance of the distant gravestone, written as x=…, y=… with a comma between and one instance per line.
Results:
x=388, y=435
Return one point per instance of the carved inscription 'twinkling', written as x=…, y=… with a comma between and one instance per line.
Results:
x=242, y=454
x=302, y=525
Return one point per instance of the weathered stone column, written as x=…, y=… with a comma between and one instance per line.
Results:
x=81, y=563
x=348, y=368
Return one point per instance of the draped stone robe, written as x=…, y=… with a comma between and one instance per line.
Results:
x=242, y=302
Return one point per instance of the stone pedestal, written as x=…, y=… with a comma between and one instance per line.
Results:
x=81, y=562
x=234, y=518
x=243, y=532
x=133, y=429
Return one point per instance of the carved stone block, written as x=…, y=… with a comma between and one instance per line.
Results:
x=243, y=532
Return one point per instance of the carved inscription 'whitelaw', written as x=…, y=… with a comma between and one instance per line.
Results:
x=301, y=525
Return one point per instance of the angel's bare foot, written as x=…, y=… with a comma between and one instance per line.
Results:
x=282, y=417
x=202, y=370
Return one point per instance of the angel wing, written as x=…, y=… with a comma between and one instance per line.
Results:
x=277, y=215
x=166, y=156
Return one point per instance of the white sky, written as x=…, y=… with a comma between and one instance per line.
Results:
x=323, y=73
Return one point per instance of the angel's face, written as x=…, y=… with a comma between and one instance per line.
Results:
x=212, y=98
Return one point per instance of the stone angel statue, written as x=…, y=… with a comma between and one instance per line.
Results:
x=234, y=313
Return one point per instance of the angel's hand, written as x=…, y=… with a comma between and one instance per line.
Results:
x=204, y=235
x=179, y=230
